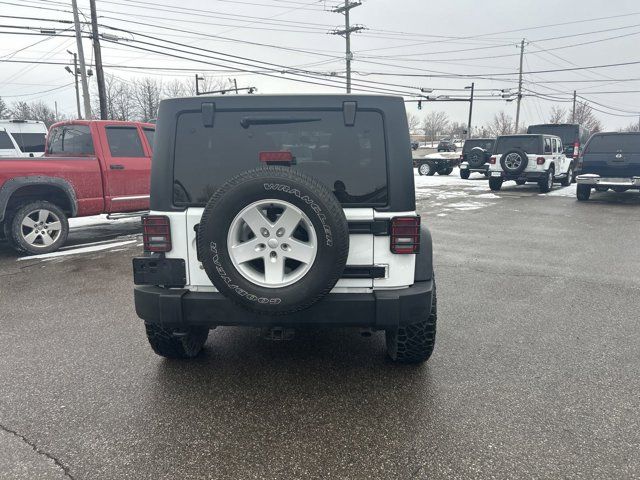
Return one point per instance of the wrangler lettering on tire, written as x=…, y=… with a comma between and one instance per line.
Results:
x=276, y=240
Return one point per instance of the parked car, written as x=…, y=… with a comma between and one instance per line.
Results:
x=475, y=156
x=574, y=136
x=242, y=231
x=529, y=158
x=89, y=167
x=415, y=145
x=609, y=161
x=432, y=164
x=22, y=138
x=447, y=145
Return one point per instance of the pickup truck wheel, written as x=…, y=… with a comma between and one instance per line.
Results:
x=424, y=168
x=274, y=240
x=171, y=343
x=568, y=179
x=445, y=171
x=546, y=183
x=414, y=343
x=432, y=170
x=495, y=183
x=583, y=192
x=39, y=227
x=465, y=174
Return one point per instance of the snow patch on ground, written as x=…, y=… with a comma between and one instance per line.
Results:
x=81, y=249
x=79, y=222
x=469, y=205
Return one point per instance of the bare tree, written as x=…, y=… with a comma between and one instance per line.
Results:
x=43, y=112
x=557, y=114
x=146, y=96
x=502, y=124
x=176, y=88
x=632, y=127
x=20, y=111
x=434, y=124
x=585, y=117
x=456, y=129
x=414, y=122
x=4, y=109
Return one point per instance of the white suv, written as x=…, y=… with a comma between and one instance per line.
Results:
x=22, y=138
x=529, y=158
x=280, y=212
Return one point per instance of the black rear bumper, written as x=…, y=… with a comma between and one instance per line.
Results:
x=382, y=309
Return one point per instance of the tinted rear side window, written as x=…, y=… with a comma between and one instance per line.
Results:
x=72, y=140
x=351, y=161
x=5, y=141
x=614, y=143
x=30, y=142
x=150, y=133
x=124, y=142
x=528, y=144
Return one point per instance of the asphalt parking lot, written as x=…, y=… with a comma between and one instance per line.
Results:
x=536, y=371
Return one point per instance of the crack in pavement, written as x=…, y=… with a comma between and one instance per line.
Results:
x=38, y=450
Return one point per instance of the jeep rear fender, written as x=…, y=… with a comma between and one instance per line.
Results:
x=51, y=186
x=424, y=259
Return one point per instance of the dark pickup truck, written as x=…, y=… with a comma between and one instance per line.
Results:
x=610, y=161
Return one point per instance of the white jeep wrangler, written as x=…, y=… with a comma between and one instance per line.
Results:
x=284, y=212
x=529, y=158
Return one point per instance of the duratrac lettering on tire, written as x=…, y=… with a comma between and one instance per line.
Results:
x=273, y=240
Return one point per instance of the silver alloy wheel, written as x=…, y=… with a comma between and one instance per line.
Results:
x=570, y=176
x=550, y=179
x=424, y=168
x=512, y=161
x=40, y=228
x=272, y=243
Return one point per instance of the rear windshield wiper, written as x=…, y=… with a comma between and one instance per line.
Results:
x=246, y=122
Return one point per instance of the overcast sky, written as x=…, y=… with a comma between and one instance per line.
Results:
x=404, y=39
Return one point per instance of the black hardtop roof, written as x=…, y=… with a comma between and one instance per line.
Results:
x=554, y=125
x=615, y=133
x=528, y=135
x=483, y=139
x=282, y=101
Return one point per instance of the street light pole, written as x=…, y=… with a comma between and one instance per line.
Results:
x=470, y=110
x=83, y=67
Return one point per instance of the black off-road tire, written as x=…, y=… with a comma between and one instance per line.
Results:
x=16, y=239
x=445, y=171
x=476, y=157
x=520, y=182
x=583, y=192
x=495, y=183
x=171, y=343
x=544, y=184
x=569, y=178
x=314, y=199
x=524, y=160
x=465, y=174
x=414, y=343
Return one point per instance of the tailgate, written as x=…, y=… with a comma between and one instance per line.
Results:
x=618, y=164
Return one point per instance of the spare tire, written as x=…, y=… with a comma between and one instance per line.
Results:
x=273, y=240
x=514, y=161
x=476, y=157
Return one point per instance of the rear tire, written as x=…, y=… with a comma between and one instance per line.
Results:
x=495, y=183
x=171, y=343
x=445, y=171
x=583, y=192
x=465, y=174
x=414, y=343
x=546, y=184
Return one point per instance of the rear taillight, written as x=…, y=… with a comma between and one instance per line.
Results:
x=576, y=149
x=492, y=160
x=540, y=160
x=156, y=233
x=405, y=235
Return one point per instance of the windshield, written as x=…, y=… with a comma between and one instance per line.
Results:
x=528, y=143
x=629, y=143
x=473, y=143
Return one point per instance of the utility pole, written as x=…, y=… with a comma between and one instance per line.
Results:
x=83, y=67
x=235, y=85
x=198, y=78
x=470, y=110
x=75, y=77
x=519, y=86
x=346, y=33
x=102, y=94
x=573, y=111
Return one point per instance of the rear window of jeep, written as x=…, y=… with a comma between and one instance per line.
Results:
x=530, y=145
x=350, y=160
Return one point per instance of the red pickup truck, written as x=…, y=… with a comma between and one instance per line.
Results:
x=89, y=167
